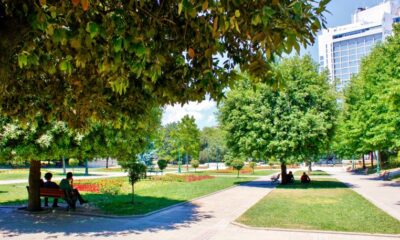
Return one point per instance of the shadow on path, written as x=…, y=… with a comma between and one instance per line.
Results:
x=13, y=223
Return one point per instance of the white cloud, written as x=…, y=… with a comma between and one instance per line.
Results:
x=202, y=111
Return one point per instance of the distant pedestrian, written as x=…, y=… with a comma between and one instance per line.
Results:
x=305, y=178
x=290, y=177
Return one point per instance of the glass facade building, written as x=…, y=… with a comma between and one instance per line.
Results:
x=342, y=48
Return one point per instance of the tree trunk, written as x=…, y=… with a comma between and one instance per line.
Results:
x=238, y=173
x=371, y=155
x=34, y=186
x=63, y=165
x=133, y=193
x=363, y=162
x=283, y=173
x=309, y=167
x=187, y=163
x=107, y=162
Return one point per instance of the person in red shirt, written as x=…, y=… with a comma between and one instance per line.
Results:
x=305, y=178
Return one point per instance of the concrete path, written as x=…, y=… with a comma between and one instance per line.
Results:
x=205, y=218
x=384, y=194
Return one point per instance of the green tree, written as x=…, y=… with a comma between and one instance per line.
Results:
x=370, y=114
x=136, y=171
x=290, y=125
x=237, y=165
x=252, y=165
x=76, y=61
x=73, y=163
x=195, y=164
x=188, y=136
x=34, y=141
x=212, y=142
x=162, y=164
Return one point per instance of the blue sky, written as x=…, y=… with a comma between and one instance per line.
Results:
x=204, y=112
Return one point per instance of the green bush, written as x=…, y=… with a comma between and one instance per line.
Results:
x=195, y=164
x=252, y=165
x=73, y=163
x=162, y=164
x=237, y=165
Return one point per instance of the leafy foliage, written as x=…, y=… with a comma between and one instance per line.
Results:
x=195, y=164
x=98, y=59
x=291, y=125
x=162, y=164
x=212, y=143
x=237, y=165
x=370, y=114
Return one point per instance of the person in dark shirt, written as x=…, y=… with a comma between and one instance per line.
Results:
x=305, y=178
x=72, y=195
x=49, y=184
x=290, y=177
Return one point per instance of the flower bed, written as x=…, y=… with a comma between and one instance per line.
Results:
x=181, y=178
x=87, y=187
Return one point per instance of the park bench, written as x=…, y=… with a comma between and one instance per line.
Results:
x=385, y=175
x=50, y=192
x=275, y=178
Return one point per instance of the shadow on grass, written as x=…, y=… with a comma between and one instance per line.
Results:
x=15, y=223
x=257, y=183
x=315, y=184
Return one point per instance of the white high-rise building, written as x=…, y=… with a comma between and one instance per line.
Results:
x=342, y=48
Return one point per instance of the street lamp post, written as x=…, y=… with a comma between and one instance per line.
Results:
x=217, y=156
x=179, y=159
x=378, y=167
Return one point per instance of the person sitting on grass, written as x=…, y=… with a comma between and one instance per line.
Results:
x=290, y=177
x=305, y=178
x=50, y=184
x=71, y=194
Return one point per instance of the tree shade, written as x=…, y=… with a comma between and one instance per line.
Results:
x=77, y=59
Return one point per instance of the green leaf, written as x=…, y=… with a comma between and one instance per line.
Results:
x=237, y=13
x=117, y=44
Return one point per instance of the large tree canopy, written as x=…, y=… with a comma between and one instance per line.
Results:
x=73, y=60
x=291, y=125
x=371, y=107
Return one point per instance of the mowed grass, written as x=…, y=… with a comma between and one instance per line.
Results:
x=312, y=173
x=150, y=195
x=324, y=204
x=247, y=172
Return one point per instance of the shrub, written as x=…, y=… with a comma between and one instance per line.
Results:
x=73, y=163
x=237, y=165
x=136, y=171
x=195, y=164
x=252, y=165
x=162, y=164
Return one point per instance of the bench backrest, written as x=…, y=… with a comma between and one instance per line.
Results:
x=51, y=192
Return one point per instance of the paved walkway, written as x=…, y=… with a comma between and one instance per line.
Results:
x=384, y=194
x=205, y=218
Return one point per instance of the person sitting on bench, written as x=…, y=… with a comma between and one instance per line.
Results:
x=71, y=194
x=290, y=177
x=305, y=178
x=50, y=184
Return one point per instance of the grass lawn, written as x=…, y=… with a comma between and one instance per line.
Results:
x=313, y=173
x=246, y=172
x=150, y=195
x=324, y=204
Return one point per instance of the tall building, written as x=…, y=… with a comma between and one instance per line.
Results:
x=342, y=48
